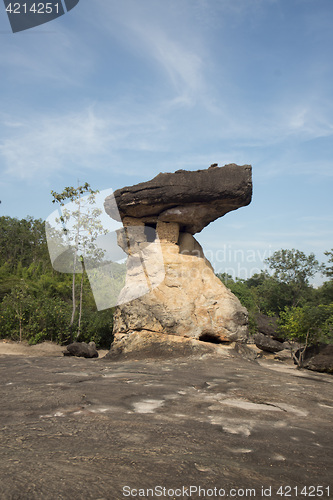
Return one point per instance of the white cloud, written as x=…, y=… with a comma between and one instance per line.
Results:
x=53, y=57
x=183, y=66
x=164, y=38
x=87, y=139
x=309, y=116
x=195, y=100
x=43, y=144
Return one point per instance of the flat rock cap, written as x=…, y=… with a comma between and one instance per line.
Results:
x=193, y=199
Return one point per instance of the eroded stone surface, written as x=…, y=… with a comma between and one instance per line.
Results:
x=174, y=423
x=160, y=217
x=268, y=344
x=192, y=199
x=148, y=345
x=190, y=302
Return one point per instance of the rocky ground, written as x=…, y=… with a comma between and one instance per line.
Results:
x=76, y=428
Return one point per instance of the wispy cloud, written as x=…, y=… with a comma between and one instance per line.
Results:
x=91, y=138
x=44, y=144
x=164, y=38
x=52, y=58
x=182, y=64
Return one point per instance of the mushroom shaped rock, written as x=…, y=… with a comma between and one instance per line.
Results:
x=190, y=300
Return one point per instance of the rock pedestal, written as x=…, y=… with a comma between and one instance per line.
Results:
x=189, y=300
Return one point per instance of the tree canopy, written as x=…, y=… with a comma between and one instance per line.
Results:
x=295, y=269
x=36, y=301
x=328, y=270
x=80, y=227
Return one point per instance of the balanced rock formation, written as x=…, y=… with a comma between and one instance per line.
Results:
x=159, y=219
x=190, y=199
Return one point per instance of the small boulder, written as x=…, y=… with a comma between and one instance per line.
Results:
x=268, y=325
x=284, y=355
x=268, y=344
x=318, y=358
x=81, y=350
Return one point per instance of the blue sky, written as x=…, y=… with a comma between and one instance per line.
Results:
x=116, y=91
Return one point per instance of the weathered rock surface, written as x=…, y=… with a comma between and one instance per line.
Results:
x=146, y=345
x=284, y=355
x=160, y=217
x=81, y=350
x=192, y=199
x=268, y=344
x=191, y=302
x=267, y=325
x=82, y=429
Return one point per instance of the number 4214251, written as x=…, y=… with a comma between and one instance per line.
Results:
x=35, y=8
x=306, y=491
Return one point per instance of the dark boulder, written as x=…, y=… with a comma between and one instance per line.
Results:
x=81, y=350
x=267, y=325
x=268, y=344
x=306, y=352
x=317, y=358
x=192, y=199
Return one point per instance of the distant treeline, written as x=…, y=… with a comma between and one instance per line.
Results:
x=36, y=300
x=303, y=313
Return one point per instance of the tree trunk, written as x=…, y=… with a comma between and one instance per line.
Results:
x=73, y=282
x=81, y=298
x=20, y=322
x=300, y=361
x=74, y=302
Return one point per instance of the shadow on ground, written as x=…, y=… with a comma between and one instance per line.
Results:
x=85, y=429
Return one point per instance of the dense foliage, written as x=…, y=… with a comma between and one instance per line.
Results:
x=36, y=300
x=80, y=227
x=304, y=313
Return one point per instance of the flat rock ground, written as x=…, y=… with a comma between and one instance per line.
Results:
x=75, y=428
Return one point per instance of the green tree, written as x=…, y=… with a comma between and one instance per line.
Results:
x=270, y=295
x=328, y=270
x=245, y=295
x=81, y=226
x=22, y=241
x=324, y=294
x=295, y=269
x=35, y=299
x=309, y=325
x=17, y=304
